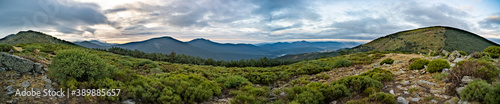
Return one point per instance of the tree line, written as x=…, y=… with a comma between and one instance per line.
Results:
x=186, y=59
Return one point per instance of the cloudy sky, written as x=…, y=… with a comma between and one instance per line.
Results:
x=244, y=21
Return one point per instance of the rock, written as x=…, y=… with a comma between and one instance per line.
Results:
x=459, y=90
x=2, y=69
x=47, y=80
x=468, y=57
x=453, y=55
x=496, y=60
x=26, y=84
x=416, y=95
x=434, y=101
x=457, y=60
x=376, y=66
x=436, y=57
x=38, y=67
x=392, y=92
x=435, y=91
x=405, y=83
x=426, y=84
x=402, y=100
x=406, y=92
x=47, y=86
x=462, y=101
x=128, y=101
x=17, y=63
x=452, y=65
x=10, y=90
x=445, y=52
x=333, y=102
x=453, y=100
x=467, y=79
x=415, y=99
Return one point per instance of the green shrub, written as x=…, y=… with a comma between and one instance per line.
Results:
x=377, y=98
x=371, y=90
x=475, y=91
x=439, y=76
x=330, y=92
x=233, y=81
x=418, y=64
x=359, y=83
x=437, y=65
x=250, y=95
x=5, y=47
x=387, y=61
x=322, y=76
x=342, y=63
x=479, y=54
x=304, y=80
x=147, y=64
x=378, y=74
x=494, y=51
x=414, y=59
x=493, y=97
x=462, y=53
x=304, y=95
x=382, y=97
x=78, y=64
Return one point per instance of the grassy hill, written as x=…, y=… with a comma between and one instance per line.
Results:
x=27, y=37
x=417, y=40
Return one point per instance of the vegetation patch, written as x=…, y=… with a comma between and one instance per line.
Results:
x=379, y=74
x=418, y=64
x=475, y=91
x=387, y=61
x=437, y=65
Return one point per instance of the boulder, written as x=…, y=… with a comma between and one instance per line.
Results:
x=445, y=52
x=467, y=79
x=26, y=84
x=16, y=63
x=457, y=60
x=333, y=102
x=426, y=84
x=453, y=100
x=402, y=100
x=128, y=101
x=415, y=99
x=405, y=83
x=453, y=55
x=459, y=90
x=38, y=67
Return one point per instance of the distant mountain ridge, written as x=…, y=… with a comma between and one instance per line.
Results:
x=425, y=39
x=205, y=48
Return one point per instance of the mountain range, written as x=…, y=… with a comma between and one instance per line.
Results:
x=205, y=48
x=427, y=39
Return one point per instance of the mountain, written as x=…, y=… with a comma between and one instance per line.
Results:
x=417, y=40
x=205, y=48
x=26, y=37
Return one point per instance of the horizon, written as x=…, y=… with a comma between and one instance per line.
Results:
x=247, y=22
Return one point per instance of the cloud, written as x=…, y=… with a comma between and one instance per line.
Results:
x=65, y=17
x=432, y=15
x=492, y=22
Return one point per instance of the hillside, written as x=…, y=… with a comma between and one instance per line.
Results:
x=422, y=40
x=26, y=37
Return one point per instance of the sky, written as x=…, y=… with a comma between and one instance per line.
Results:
x=244, y=21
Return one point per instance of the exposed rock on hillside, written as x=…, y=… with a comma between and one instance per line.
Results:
x=19, y=64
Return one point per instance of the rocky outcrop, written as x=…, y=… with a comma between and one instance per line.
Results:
x=19, y=64
x=453, y=55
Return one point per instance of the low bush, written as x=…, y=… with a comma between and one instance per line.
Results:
x=371, y=90
x=493, y=97
x=418, y=64
x=31, y=48
x=379, y=74
x=377, y=98
x=5, y=47
x=322, y=76
x=330, y=92
x=479, y=54
x=387, y=61
x=79, y=64
x=359, y=83
x=462, y=53
x=437, y=65
x=477, y=69
x=233, y=81
x=303, y=95
x=494, y=51
x=475, y=91
x=342, y=63
x=414, y=59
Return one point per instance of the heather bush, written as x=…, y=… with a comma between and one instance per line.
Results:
x=475, y=91
x=79, y=64
x=342, y=63
x=359, y=83
x=387, y=61
x=418, y=64
x=5, y=47
x=379, y=74
x=437, y=65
